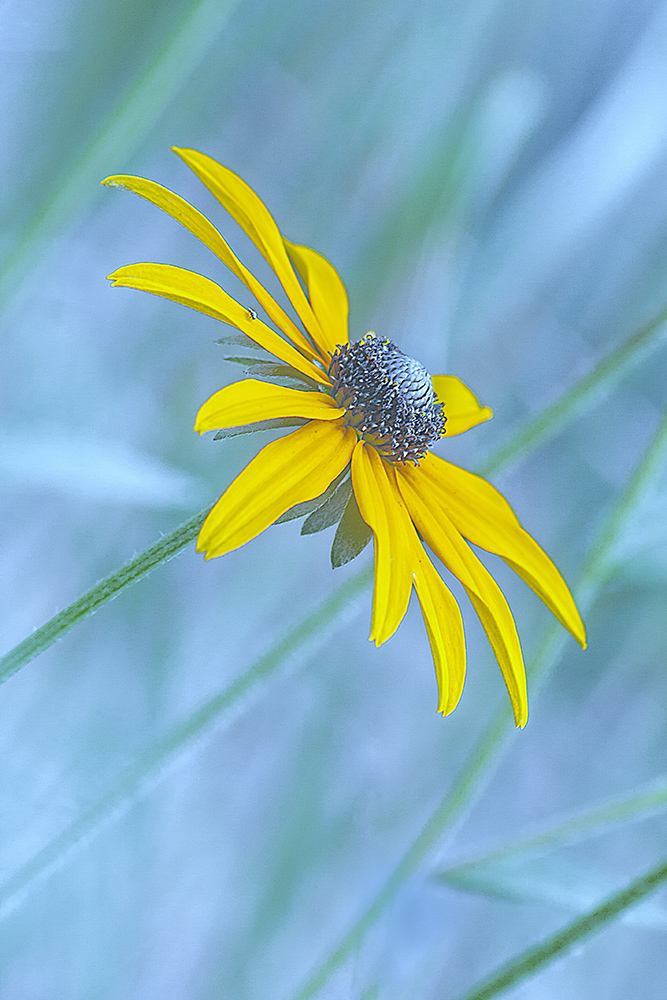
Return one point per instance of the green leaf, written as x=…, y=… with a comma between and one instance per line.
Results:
x=352, y=535
x=331, y=510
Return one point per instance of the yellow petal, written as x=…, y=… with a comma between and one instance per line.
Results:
x=326, y=292
x=488, y=600
x=202, y=294
x=250, y=400
x=205, y=231
x=461, y=407
x=294, y=468
x=444, y=625
x=252, y=215
x=485, y=518
x=383, y=510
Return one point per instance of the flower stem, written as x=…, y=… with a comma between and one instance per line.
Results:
x=108, y=588
x=530, y=961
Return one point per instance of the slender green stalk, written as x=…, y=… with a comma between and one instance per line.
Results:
x=108, y=588
x=533, y=959
x=478, y=765
x=148, y=96
x=582, y=825
x=601, y=563
x=304, y=638
x=478, y=768
x=588, y=391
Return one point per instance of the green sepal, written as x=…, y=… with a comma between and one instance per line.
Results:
x=239, y=340
x=282, y=375
x=352, y=535
x=308, y=506
x=269, y=371
x=260, y=425
x=331, y=510
x=247, y=361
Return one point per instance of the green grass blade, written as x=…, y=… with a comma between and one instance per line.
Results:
x=303, y=638
x=584, y=824
x=530, y=961
x=103, y=592
x=586, y=392
x=146, y=99
x=552, y=882
x=478, y=768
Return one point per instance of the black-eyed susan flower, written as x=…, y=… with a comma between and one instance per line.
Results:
x=365, y=416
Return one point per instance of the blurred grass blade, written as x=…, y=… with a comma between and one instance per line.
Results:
x=301, y=640
x=588, y=391
x=530, y=961
x=86, y=465
x=595, y=821
x=108, y=588
x=148, y=96
x=478, y=769
x=600, y=563
x=553, y=881
x=551, y=420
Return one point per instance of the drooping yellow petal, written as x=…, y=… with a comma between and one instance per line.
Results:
x=488, y=600
x=252, y=215
x=326, y=292
x=294, y=468
x=461, y=406
x=250, y=400
x=383, y=510
x=200, y=293
x=485, y=518
x=444, y=625
x=205, y=231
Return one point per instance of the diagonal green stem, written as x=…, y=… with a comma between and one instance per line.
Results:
x=533, y=959
x=305, y=637
x=583, y=825
x=588, y=391
x=104, y=591
x=479, y=766
x=146, y=99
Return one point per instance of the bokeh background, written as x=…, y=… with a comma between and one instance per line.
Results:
x=490, y=179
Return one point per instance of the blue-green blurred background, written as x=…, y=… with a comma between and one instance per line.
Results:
x=490, y=180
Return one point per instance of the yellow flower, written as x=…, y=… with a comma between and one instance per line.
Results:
x=365, y=415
